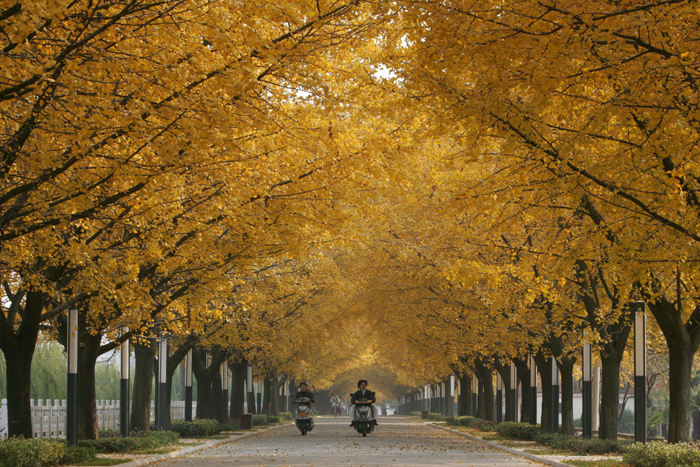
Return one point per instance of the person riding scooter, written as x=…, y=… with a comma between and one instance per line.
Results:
x=304, y=392
x=363, y=394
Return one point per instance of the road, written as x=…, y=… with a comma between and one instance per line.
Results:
x=396, y=442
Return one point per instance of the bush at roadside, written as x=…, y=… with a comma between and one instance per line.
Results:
x=75, y=454
x=20, y=452
x=286, y=415
x=259, y=419
x=154, y=439
x=518, y=430
x=437, y=416
x=231, y=425
x=461, y=420
x=660, y=454
x=584, y=445
x=195, y=429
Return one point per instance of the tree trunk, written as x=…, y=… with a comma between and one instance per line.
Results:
x=217, y=398
x=489, y=397
x=267, y=387
x=609, y=397
x=682, y=339
x=145, y=356
x=238, y=372
x=465, y=396
x=544, y=368
x=696, y=425
x=18, y=348
x=204, y=377
x=274, y=394
x=88, y=351
x=680, y=375
x=18, y=371
x=504, y=371
x=174, y=360
x=524, y=378
x=566, y=369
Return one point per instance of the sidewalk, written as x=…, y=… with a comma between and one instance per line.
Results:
x=557, y=460
x=150, y=459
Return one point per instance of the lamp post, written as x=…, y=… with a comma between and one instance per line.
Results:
x=188, y=386
x=124, y=388
x=640, y=371
x=249, y=388
x=224, y=387
x=452, y=406
x=513, y=392
x=162, y=382
x=499, y=398
x=533, y=390
x=555, y=396
x=72, y=385
x=587, y=389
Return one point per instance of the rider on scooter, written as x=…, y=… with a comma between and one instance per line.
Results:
x=363, y=393
x=335, y=403
x=304, y=392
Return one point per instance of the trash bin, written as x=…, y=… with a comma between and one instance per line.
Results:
x=424, y=414
x=246, y=421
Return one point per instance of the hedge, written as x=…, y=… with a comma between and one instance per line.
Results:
x=661, y=454
x=259, y=419
x=154, y=439
x=437, y=416
x=195, y=429
x=20, y=452
x=518, y=430
x=584, y=445
x=286, y=415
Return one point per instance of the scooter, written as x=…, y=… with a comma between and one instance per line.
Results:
x=303, y=418
x=364, y=419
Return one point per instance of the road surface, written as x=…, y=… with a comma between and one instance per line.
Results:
x=396, y=442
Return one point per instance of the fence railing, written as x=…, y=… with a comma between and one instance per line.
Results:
x=49, y=420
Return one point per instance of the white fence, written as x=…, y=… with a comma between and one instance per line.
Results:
x=48, y=421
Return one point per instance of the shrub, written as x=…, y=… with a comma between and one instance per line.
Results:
x=414, y=414
x=483, y=425
x=660, y=454
x=286, y=415
x=75, y=454
x=154, y=439
x=467, y=421
x=436, y=416
x=518, y=430
x=20, y=452
x=195, y=429
x=231, y=425
x=584, y=445
x=259, y=419
x=273, y=419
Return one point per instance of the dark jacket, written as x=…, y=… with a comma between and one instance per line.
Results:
x=308, y=394
x=369, y=395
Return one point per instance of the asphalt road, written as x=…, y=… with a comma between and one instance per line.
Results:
x=396, y=442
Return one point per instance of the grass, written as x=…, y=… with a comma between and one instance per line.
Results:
x=551, y=452
x=103, y=461
x=599, y=463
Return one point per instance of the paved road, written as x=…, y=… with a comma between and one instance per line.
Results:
x=396, y=442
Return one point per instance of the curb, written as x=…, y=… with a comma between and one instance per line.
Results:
x=515, y=452
x=208, y=444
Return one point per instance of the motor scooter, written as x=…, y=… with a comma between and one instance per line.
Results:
x=364, y=419
x=303, y=417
